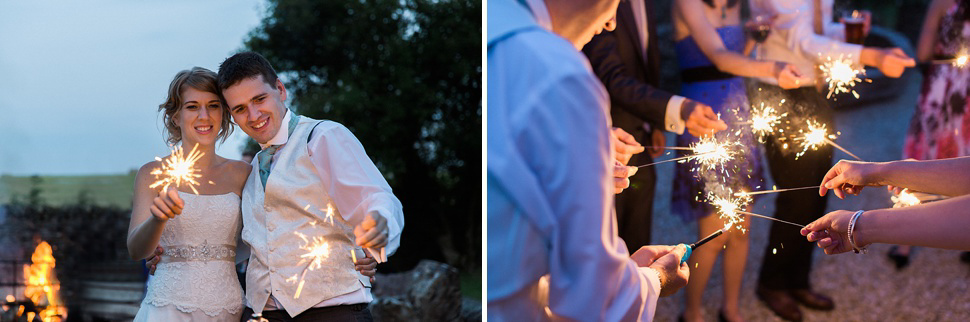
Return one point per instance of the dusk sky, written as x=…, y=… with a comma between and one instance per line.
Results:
x=82, y=80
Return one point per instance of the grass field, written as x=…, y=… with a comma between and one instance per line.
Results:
x=104, y=190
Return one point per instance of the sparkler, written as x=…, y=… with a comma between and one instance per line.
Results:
x=769, y=218
x=728, y=209
x=905, y=199
x=764, y=120
x=668, y=147
x=959, y=61
x=318, y=250
x=841, y=76
x=178, y=169
x=708, y=152
x=817, y=135
x=773, y=191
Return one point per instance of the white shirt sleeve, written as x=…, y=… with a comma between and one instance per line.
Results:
x=672, y=120
x=591, y=274
x=795, y=22
x=353, y=181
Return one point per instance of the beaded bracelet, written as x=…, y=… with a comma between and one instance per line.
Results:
x=852, y=243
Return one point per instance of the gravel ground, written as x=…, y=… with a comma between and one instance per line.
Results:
x=934, y=287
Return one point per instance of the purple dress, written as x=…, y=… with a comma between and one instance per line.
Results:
x=725, y=93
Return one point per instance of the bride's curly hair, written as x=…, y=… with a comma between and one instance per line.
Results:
x=200, y=79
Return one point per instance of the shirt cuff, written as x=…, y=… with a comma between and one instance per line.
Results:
x=652, y=288
x=672, y=120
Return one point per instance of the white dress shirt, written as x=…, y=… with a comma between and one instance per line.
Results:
x=349, y=176
x=793, y=38
x=550, y=197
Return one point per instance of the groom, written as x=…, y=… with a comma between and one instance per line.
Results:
x=305, y=167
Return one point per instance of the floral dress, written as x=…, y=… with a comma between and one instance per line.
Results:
x=940, y=127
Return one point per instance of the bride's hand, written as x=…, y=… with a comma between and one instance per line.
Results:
x=367, y=266
x=372, y=231
x=167, y=205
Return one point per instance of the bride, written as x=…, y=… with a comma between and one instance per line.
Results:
x=195, y=279
x=194, y=234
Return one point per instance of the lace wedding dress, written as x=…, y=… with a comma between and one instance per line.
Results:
x=196, y=279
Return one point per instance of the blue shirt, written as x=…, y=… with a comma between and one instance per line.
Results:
x=550, y=194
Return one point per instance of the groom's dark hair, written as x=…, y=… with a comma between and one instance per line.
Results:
x=245, y=65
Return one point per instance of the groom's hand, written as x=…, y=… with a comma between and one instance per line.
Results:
x=367, y=266
x=152, y=261
x=372, y=232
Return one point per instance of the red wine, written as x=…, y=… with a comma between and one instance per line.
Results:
x=758, y=32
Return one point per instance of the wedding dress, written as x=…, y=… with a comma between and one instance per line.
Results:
x=196, y=279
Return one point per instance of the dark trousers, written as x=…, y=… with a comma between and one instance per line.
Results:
x=352, y=312
x=634, y=207
x=790, y=267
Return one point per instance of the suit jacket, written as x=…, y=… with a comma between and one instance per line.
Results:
x=631, y=81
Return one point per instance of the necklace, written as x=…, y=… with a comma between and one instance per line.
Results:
x=723, y=11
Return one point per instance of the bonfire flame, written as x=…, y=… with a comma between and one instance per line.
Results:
x=42, y=284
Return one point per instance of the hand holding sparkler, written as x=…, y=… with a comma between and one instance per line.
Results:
x=372, y=233
x=831, y=232
x=367, y=265
x=167, y=205
x=850, y=177
x=624, y=145
x=621, y=176
x=892, y=62
x=700, y=119
x=788, y=76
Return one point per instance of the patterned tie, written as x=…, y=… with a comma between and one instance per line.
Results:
x=265, y=156
x=265, y=161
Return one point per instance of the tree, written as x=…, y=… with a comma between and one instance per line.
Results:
x=405, y=77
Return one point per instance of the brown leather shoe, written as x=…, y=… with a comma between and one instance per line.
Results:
x=780, y=302
x=813, y=300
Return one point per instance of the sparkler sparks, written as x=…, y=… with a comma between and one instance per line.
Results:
x=764, y=120
x=817, y=135
x=710, y=153
x=178, y=169
x=841, y=76
x=728, y=209
x=905, y=199
x=317, y=251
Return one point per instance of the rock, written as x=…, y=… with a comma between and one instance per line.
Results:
x=429, y=292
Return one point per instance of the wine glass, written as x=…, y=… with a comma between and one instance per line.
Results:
x=758, y=28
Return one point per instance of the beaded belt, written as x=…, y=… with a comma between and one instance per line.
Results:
x=199, y=253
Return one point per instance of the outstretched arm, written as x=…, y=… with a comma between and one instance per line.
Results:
x=940, y=224
x=710, y=42
x=949, y=177
x=357, y=187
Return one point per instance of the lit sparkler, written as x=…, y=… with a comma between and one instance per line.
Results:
x=317, y=251
x=710, y=153
x=178, y=169
x=764, y=120
x=728, y=209
x=841, y=76
x=959, y=61
x=773, y=191
x=905, y=199
x=817, y=135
